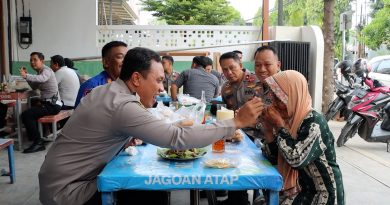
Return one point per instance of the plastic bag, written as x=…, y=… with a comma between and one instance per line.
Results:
x=165, y=113
x=185, y=99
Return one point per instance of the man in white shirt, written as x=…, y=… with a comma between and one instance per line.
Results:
x=68, y=82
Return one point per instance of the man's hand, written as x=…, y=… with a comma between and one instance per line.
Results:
x=247, y=115
x=23, y=72
x=133, y=142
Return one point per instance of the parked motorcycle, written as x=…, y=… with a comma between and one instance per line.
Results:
x=344, y=95
x=344, y=92
x=368, y=110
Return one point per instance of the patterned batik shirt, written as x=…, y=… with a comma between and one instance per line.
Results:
x=313, y=154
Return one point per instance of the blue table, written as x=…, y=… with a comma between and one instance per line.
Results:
x=9, y=144
x=147, y=171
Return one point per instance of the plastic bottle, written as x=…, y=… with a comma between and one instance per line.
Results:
x=199, y=109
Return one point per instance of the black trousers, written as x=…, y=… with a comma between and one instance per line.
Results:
x=30, y=118
x=238, y=197
x=63, y=122
x=3, y=114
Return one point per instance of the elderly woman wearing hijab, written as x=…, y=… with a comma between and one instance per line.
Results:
x=304, y=141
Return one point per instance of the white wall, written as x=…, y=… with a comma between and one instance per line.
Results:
x=60, y=27
x=286, y=33
x=312, y=34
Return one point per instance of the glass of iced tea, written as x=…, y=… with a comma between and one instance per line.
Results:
x=222, y=114
x=219, y=146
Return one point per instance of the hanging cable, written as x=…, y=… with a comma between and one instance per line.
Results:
x=23, y=7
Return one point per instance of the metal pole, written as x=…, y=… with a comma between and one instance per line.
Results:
x=343, y=58
x=110, y=12
x=9, y=37
x=265, y=20
x=2, y=42
x=280, y=12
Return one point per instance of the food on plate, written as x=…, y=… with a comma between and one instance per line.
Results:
x=182, y=154
x=236, y=137
x=220, y=163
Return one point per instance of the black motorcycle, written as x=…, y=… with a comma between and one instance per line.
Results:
x=344, y=95
x=344, y=92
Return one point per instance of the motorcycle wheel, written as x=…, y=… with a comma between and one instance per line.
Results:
x=348, y=131
x=332, y=110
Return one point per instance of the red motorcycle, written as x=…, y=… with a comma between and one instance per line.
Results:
x=368, y=111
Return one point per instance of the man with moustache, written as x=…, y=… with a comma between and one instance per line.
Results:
x=49, y=102
x=112, y=58
x=243, y=86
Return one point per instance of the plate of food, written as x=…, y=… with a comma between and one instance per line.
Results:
x=221, y=163
x=181, y=155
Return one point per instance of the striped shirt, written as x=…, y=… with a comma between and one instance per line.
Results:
x=197, y=79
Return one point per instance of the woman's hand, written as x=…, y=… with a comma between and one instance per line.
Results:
x=274, y=118
x=268, y=132
x=247, y=115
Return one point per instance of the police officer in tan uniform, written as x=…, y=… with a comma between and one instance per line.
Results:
x=170, y=74
x=241, y=85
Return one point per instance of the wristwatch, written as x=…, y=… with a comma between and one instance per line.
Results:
x=259, y=126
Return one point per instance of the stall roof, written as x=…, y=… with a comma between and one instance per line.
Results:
x=122, y=12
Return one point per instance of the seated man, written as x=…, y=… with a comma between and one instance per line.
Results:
x=101, y=126
x=208, y=67
x=68, y=82
x=170, y=74
x=50, y=102
x=196, y=79
x=69, y=63
x=112, y=57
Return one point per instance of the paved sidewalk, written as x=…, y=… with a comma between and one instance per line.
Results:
x=365, y=167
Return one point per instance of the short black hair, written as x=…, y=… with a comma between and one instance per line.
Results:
x=198, y=61
x=57, y=59
x=39, y=54
x=267, y=47
x=139, y=60
x=106, y=48
x=68, y=62
x=230, y=55
x=168, y=58
x=206, y=61
x=237, y=51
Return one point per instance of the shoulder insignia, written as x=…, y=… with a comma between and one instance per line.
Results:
x=247, y=77
x=87, y=91
x=252, y=78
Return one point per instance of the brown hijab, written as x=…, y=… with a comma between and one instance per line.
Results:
x=291, y=88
